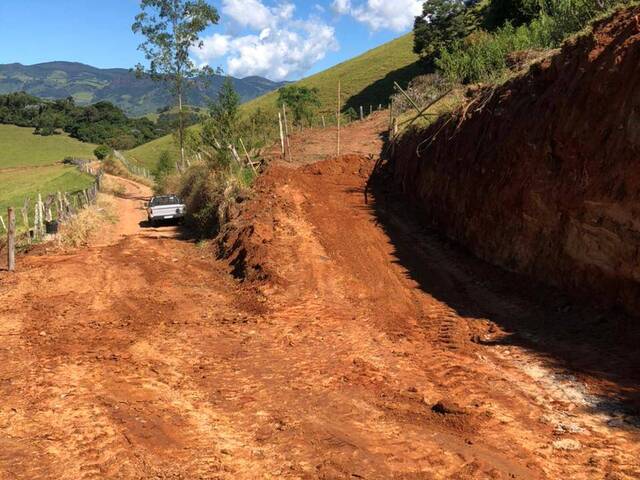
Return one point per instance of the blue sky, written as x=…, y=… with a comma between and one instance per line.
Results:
x=279, y=39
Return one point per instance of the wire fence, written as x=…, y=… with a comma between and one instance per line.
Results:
x=40, y=219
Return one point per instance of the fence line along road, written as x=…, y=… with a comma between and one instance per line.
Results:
x=67, y=205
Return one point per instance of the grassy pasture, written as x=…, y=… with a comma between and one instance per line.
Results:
x=20, y=148
x=16, y=185
x=30, y=164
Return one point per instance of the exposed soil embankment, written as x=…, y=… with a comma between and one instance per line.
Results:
x=542, y=175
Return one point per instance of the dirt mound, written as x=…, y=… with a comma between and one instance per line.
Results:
x=541, y=175
x=258, y=245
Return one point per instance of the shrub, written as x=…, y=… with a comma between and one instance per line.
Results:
x=483, y=57
x=212, y=193
x=101, y=152
x=302, y=101
x=163, y=170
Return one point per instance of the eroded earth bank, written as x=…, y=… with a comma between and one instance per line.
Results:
x=542, y=175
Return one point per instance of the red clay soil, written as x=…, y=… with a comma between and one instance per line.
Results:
x=542, y=174
x=358, y=345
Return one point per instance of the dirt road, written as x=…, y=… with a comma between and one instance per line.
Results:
x=359, y=345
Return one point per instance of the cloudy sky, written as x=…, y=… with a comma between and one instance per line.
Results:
x=276, y=39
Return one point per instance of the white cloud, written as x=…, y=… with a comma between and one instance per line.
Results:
x=215, y=46
x=248, y=13
x=398, y=15
x=341, y=7
x=278, y=46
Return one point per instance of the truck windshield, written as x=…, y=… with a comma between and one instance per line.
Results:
x=165, y=200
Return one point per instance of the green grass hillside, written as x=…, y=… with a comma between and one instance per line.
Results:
x=30, y=164
x=21, y=148
x=148, y=154
x=365, y=80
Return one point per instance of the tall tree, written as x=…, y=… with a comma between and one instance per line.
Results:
x=171, y=28
x=441, y=25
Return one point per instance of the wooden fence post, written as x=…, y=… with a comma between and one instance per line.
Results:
x=338, y=116
x=25, y=219
x=48, y=216
x=248, y=157
x=11, y=240
x=67, y=204
x=60, y=205
x=281, y=133
x=40, y=215
x=286, y=129
x=370, y=110
x=324, y=125
x=361, y=113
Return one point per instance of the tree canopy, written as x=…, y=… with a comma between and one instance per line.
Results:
x=222, y=125
x=441, y=25
x=302, y=101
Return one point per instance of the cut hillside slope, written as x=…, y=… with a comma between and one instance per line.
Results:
x=541, y=174
x=365, y=80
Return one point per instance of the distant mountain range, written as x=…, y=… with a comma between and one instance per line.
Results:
x=119, y=86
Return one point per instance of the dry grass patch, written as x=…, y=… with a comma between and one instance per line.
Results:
x=79, y=230
x=112, y=187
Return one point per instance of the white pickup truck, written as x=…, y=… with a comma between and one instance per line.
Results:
x=165, y=207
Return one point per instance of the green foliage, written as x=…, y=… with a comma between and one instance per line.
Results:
x=222, y=126
x=441, y=25
x=302, y=101
x=484, y=57
x=101, y=152
x=515, y=12
x=258, y=129
x=165, y=165
x=101, y=123
x=351, y=114
x=168, y=121
x=212, y=194
x=164, y=168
